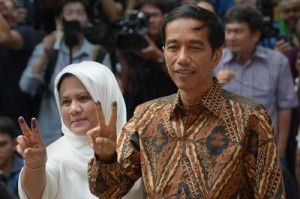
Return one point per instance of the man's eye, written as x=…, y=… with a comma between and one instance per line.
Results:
x=172, y=47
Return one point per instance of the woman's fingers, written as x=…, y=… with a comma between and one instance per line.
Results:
x=35, y=129
x=21, y=139
x=25, y=129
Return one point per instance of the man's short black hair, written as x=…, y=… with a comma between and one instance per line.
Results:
x=7, y=126
x=246, y=13
x=85, y=3
x=215, y=29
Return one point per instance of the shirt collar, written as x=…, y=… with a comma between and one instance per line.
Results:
x=84, y=49
x=259, y=52
x=17, y=165
x=211, y=100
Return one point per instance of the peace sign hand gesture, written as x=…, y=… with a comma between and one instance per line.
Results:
x=103, y=137
x=30, y=145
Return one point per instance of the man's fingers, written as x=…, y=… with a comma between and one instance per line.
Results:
x=100, y=115
x=25, y=129
x=113, y=116
x=90, y=136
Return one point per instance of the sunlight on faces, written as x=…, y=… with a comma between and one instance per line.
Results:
x=77, y=106
x=188, y=55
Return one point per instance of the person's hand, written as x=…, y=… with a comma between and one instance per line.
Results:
x=151, y=52
x=30, y=145
x=225, y=76
x=103, y=137
x=49, y=42
x=283, y=46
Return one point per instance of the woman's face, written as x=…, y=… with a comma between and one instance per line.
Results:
x=77, y=106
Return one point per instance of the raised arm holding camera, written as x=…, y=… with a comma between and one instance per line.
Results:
x=16, y=45
x=146, y=77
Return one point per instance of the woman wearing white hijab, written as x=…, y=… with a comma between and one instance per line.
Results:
x=60, y=171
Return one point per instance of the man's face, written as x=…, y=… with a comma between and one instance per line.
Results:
x=239, y=38
x=155, y=20
x=7, y=148
x=290, y=13
x=188, y=55
x=75, y=11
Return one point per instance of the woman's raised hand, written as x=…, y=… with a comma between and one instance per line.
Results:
x=30, y=145
x=103, y=137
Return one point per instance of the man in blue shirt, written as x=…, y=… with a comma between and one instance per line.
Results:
x=10, y=163
x=257, y=72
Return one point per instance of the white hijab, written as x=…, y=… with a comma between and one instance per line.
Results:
x=102, y=86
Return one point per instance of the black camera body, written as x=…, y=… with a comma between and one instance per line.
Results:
x=71, y=31
x=130, y=38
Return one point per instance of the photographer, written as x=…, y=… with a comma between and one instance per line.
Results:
x=10, y=163
x=16, y=45
x=143, y=70
x=58, y=50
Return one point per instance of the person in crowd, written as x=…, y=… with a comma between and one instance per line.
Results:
x=290, y=12
x=206, y=4
x=203, y=142
x=16, y=45
x=144, y=73
x=259, y=73
x=60, y=170
x=56, y=51
x=10, y=162
x=4, y=192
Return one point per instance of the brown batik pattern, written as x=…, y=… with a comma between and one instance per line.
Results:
x=224, y=149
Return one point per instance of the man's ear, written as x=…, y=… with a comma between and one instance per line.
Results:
x=217, y=57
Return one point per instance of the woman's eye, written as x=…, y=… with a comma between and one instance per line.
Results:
x=65, y=102
x=84, y=98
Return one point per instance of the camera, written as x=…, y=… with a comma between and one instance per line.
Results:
x=266, y=8
x=130, y=38
x=71, y=30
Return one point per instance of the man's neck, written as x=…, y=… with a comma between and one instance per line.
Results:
x=192, y=97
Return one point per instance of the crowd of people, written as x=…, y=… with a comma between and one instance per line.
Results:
x=149, y=98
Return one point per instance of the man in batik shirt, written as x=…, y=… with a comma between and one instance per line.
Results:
x=203, y=142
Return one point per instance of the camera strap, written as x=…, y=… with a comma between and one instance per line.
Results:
x=98, y=53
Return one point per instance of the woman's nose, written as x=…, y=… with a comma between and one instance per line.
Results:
x=74, y=108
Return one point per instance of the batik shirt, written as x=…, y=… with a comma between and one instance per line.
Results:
x=222, y=147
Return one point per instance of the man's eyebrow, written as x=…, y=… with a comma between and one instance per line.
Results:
x=170, y=41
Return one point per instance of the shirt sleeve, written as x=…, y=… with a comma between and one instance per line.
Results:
x=29, y=82
x=286, y=95
x=114, y=180
x=262, y=165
